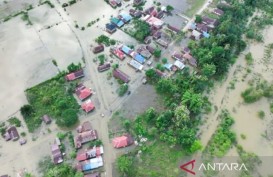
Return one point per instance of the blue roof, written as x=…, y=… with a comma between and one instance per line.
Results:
x=110, y=26
x=206, y=35
x=126, y=49
x=139, y=58
x=120, y=23
x=126, y=17
x=193, y=26
x=86, y=167
x=168, y=66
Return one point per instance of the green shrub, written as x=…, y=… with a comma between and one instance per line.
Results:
x=252, y=95
x=261, y=114
x=15, y=121
x=123, y=89
x=68, y=118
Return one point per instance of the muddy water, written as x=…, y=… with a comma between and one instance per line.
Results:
x=246, y=117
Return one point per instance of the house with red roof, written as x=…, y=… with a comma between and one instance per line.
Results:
x=118, y=53
x=122, y=141
x=82, y=92
x=88, y=106
x=74, y=75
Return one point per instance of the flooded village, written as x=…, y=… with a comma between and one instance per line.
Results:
x=99, y=54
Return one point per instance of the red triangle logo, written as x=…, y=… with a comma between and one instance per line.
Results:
x=183, y=167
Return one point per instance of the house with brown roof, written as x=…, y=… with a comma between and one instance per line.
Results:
x=210, y=21
x=86, y=126
x=218, y=12
x=98, y=49
x=56, y=153
x=85, y=137
x=82, y=92
x=104, y=67
x=74, y=75
x=118, y=74
x=11, y=134
x=174, y=29
x=191, y=60
x=177, y=56
x=122, y=141
x=46, y=119
x=150, y=49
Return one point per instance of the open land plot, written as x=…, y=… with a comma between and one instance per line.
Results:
x=43, y=16
x=62, y=45
x=13, y=6
x=24, y=62
x=255, y=130
x=88, y=10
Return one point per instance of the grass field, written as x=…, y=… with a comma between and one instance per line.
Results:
x=195, y=5
x=159, y=160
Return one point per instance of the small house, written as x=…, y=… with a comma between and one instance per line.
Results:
x=110, y=28
x=179, y=65
x=11, y=134
x=46, y=119
x=218, y=12
x=210, y=21
x=168, y=66
x=136, y=65
x=82, y=92
x=174, y=29
x=150, y=49
x=151, y=11
x=88, y=106
x=125, y=17
x=196, y=35
x=85, y=137
x=104, y=67
x=92, y=164
x=56, y=153
x=74, y=75
x=160, y=73
x=139, y=58
x=160, y=14
x=186, y=50
x=118, y=53
x=86, y=126
x=147, y=40
x=177, y=56
x=127, y=50
x=122, y=141
x=162, y=43
x=98, y=49
x=118, y=74
x=157, y=35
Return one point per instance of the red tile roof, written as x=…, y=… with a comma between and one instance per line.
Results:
x=74, y=75
x=88, y=106
x=81, y=156
x=86, y=126
x=122, y=141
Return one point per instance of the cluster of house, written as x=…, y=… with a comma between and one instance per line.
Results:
x=201, y=30
x=82, y=91
x=57, y=155
x=90, y=158
x=85, y=134
x=12, y=134
x=117, y=22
